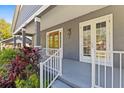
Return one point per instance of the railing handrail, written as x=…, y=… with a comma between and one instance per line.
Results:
x=51, y=48
x=110, y=54
x=50, y=57
x=118, y=51
x=50, y=68
x=111, y=51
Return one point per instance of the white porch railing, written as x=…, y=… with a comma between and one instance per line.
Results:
x=51, y=68
x=108, y=72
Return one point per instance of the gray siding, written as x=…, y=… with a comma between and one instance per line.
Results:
x=71, y=45
x=25, y=13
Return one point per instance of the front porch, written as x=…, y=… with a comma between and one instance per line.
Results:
x=78, y=75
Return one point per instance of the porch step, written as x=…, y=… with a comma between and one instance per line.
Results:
x=73, y=83
x=68, y=82
x=60, y=84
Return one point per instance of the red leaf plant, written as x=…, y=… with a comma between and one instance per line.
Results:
x=18, y=65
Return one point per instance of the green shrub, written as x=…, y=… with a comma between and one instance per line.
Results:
x=3, y=71
x=31, y=82
x=7, y=55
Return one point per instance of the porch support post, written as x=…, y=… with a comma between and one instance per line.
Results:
x=37, y=42
x=23, y=37
x=14, y=41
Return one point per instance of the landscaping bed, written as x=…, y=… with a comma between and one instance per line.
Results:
x=19, y=68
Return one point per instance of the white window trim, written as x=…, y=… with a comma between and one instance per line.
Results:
x=44, y=7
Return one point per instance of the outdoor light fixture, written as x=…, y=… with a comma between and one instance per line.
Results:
x=69, y=32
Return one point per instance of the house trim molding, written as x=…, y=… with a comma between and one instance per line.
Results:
x=44, y=7
x=37, y=19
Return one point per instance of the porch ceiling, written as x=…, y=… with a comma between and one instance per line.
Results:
x=60, y=14
x=63, y=13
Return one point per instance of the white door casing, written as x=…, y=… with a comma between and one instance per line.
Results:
x=60, y=47
x=109, y=38
x=82, y=57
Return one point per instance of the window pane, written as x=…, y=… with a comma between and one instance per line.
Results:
x=87, y=40
x=101, y=36
x=101, y=39
x=56, y=41
x=50, y=41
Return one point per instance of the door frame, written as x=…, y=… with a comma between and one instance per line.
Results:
x=60, y=30
x=93, y=21
x=89, y=22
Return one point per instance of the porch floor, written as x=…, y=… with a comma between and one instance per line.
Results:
x=79, y=74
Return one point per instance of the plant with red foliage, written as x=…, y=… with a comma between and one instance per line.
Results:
x=26, y=56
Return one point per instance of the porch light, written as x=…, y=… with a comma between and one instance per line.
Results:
x=69, y=32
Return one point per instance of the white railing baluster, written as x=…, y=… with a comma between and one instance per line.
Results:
x=55, y=63
x=120, y=69
x=52, y=67
x=51, y=70
x=106, y=57
x=48, y=72
x=112, y=54
x=41, y=75
x=93, y=80
x=98, y=70
x=60, y=57
x=45, y=69
x=109, y=58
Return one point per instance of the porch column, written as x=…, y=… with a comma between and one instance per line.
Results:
x=37, y=42
x=14, y=41
x=23, y=37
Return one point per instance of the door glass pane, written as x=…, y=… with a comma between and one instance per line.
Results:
x=56, y=40
x=50, y=41
x=87, y=40
x=60, y=39
x=101, y=39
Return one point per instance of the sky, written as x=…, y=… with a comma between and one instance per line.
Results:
x=7, y=12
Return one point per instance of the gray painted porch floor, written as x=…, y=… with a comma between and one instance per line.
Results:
x=79, y=74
